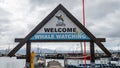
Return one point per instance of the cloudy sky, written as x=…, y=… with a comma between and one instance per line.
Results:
x=19, y=17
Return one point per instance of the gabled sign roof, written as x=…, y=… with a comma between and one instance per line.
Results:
x=31, y=35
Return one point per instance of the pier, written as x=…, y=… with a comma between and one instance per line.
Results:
x=54, y=64
x=50, y=64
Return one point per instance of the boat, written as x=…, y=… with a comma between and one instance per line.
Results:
x=107, y=62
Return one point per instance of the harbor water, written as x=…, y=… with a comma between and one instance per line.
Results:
x=7, y=62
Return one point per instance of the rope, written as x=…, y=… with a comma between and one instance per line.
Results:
x=83, y=14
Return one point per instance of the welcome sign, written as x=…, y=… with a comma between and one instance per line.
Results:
x=60, y=27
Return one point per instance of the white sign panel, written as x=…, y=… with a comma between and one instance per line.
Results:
x=60, y=27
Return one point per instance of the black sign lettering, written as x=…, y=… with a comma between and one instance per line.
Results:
x=60, y=29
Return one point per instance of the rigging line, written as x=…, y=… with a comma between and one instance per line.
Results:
x=83, y=14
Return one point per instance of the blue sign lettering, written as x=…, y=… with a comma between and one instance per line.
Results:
x=60, y=36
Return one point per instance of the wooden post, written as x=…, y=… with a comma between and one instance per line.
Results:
x=28, y=51
x=64, y=62
x=92, y=54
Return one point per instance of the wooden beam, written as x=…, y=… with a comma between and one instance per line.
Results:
x=21, y=57
x=98, y=39
x=92, y=53
x=28, y=51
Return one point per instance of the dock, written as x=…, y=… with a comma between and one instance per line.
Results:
x=51, y=64
x=54, y=64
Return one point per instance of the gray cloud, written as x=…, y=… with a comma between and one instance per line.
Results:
x=4, y=16
x=3, y=13
x=52, y=2
x=107, y=26
x=98, y=9
x=4, y=21
x=70, y=4
x=102, y=17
